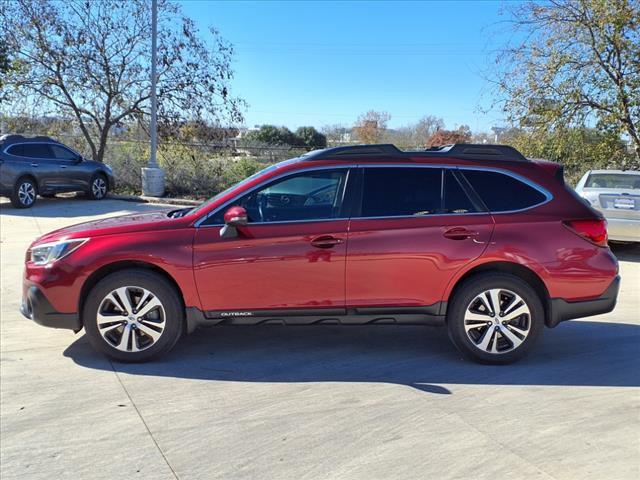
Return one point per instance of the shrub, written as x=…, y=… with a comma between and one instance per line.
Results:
x=190, y=171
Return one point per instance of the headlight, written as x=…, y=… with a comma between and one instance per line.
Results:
x=50, y=252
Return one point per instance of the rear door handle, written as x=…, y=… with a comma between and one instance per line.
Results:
x=326, y=241
x=63, y=166
x=34, y=164
x=459, y=233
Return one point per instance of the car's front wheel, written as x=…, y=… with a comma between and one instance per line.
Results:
x=25, y=192
x=133, y=315
x=495, y=318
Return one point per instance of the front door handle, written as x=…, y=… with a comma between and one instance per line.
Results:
x=459, y=233
x=63, y=166
x=34, y=164
x=326, y=241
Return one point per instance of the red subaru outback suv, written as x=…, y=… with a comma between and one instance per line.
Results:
x=474, y=237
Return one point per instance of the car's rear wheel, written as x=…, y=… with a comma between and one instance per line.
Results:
x=25, y=192
x=98, y=187
x=133, y=315
x=495, y=318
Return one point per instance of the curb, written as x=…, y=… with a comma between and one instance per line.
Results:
x=160, y=200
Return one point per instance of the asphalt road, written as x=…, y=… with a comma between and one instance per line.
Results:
x=312, y=403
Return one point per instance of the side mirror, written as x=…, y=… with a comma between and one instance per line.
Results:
x=233, y=218
x=79, y=159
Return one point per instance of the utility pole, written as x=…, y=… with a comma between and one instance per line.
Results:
x=153, y=175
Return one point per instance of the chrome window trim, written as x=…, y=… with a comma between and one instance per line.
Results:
x=5, y=151
x=535, y=186
x=199, y=222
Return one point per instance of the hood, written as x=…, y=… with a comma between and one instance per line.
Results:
x=136, y=222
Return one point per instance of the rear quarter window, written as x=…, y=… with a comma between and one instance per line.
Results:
x=503, y=193
x=16, y=150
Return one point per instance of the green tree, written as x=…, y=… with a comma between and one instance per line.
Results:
x=272, y=135
x=576, y=63
x=91, y=61
x=578, y=149
x=5, y=63
x=310, y=138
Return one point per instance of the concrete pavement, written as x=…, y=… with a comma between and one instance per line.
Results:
x=319, y=402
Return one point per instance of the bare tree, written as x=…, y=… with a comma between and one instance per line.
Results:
x=371, y=126
x=336, y=134
x=91, y=60
x=577, y=62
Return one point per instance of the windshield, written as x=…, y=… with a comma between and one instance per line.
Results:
x=237, y=185
x=614, y=180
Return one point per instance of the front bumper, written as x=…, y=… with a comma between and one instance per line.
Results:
x=36, y=307
x=561, y=310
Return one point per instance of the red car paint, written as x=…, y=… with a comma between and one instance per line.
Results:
x=396, y=262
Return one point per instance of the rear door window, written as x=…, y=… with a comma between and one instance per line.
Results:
x=37, y=150
x=455, y=199
x=503, y=193
x=400, y=192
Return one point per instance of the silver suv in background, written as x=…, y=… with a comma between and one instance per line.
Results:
x=41, y=166
x=616, y=193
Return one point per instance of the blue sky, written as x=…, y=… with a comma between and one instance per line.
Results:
x=318, y=63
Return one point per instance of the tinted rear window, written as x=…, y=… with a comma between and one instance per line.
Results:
x=613, y=180
x=502, y=193
x=397, y=192
x=36, y=150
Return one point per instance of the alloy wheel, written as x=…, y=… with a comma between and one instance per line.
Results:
x=26, y=193
x=497, y=321
x=131, y=319
x=99, y=187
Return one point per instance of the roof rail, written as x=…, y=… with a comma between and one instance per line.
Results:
x=481, y=151
x=14, y=138
x=378, y=150
x=469, y=151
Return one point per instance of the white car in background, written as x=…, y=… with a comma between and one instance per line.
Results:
x=616, y=193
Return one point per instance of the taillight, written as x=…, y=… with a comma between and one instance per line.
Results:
x=595, y=231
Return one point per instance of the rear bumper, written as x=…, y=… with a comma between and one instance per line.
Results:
x=561, y=310
x=36, y=307
x=623, y=230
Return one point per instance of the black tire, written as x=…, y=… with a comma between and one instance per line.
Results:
x=25, y=193
x=139, y=279
x=503, y=354
x=98, y=187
